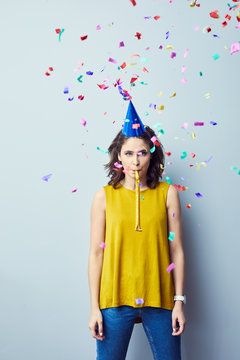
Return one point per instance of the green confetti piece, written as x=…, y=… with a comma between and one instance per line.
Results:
x=157, y=124
x=79, y=78
x=169, y=181
x=216, y=56
x=171, y=236
x=146, y=113
x=161, y=131
x=142, y=196
x=144, y=59
x=200, y=73
x=184, y=155
x=104, y=151
x=152, y=149
x=143, y=83
x=60, y=34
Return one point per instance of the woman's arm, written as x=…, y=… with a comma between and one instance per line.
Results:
x=97, y=236
x=175, y=246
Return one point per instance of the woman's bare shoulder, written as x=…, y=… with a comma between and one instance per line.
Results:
x=100, y=198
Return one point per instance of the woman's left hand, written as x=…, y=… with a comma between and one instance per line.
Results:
x=178, y=316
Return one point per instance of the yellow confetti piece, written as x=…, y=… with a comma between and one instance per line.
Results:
x=162, y=167
x=179, y=138
x=160, y=93
x=193, y=135
x=174, y=94
x=132, y=64
x=226, y=48
x=202, y=163
x=161, y=107
x=207, y=95
x=169, y=47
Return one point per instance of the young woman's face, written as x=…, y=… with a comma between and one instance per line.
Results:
x=135, y=155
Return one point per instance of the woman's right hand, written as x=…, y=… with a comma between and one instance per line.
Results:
x=96, y=324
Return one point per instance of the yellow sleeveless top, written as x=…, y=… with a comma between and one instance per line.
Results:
x=135, y=263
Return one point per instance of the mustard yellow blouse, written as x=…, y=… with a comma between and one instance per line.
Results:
x=135, y=263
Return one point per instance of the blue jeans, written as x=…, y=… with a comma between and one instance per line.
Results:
x=118, y=325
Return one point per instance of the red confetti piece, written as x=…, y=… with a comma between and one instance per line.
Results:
x=138, y=35
x=188, y=206
x=209, y=29
x=47, y=73
x=132, y=80
x=58, y=31
x=156, y=17
x=224, y=24
x=80, y=97
x=123, y=65
x=50, y=68
x=214, y=14
x=192, y=155
x=133, y=2
x=102, y=86
x=145, y=70
x=228, y=17
x=83, y=37
x=168, y=153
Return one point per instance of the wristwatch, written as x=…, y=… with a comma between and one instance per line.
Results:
x=180, y=297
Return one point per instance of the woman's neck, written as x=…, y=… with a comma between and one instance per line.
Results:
x=131, y=185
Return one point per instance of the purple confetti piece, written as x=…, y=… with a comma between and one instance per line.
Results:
x=46, y=177
x=198, y=195
x=213, y=123
x=66, y=90
x=167, y=35
x=89, y=72
x=70, y=99
x=121, y=44
x=199, y=123
x=173, y=55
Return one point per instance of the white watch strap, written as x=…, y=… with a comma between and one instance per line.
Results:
x=180, y=297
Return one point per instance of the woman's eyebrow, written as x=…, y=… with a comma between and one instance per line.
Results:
x=138, y=151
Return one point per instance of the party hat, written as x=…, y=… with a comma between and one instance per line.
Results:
x=133, y=125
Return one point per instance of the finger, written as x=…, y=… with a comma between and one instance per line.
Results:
x=180, y=330
x=99, y=331
x=174, y=324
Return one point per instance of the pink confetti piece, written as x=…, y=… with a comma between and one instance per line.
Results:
x=173, y=55
x=103, y=245
x=184, y=69
x=83, y=122
x=198, y=123
x=186, y=52
x=184, y=126
x=196, y=28
x=118, y=165
x=183, y=81
x=121, y=44
x=98, y=27
x=171, y=267
x=112, y=60
x=234, y=48
x=153, y=139
x=74, y=190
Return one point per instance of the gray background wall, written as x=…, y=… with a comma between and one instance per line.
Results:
x=45, y=228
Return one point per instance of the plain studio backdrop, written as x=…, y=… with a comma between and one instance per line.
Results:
x=45, y=225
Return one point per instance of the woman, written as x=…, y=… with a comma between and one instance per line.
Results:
x=129, y=271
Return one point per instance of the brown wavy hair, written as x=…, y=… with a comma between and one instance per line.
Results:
x=157, y=158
